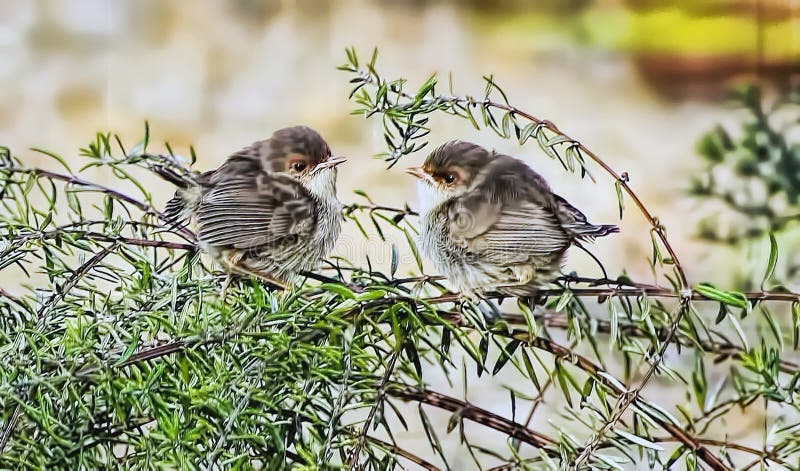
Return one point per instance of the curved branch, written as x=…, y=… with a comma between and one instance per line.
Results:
x=621, y=179
x=471, y=412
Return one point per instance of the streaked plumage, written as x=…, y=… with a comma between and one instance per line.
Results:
x=490, y=223
x=270, y=209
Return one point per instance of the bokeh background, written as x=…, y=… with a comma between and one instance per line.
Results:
x=637, y=81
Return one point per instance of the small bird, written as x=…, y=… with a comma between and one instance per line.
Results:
x=270, y=210
x=490, y=223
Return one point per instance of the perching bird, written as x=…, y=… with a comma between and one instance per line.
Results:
x=490, y=223
x=270, y=210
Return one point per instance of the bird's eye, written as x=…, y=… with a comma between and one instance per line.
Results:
x=449, y=178
x=299, y=166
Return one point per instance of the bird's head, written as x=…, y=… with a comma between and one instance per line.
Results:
x=451, y=170
x=302, y=153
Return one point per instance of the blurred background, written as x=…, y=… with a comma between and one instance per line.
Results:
x=637, y=81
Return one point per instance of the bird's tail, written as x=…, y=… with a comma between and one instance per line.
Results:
x=181, y=204
x=175, y=210
x=587, y=232
x=181, y=180
x=592, y=231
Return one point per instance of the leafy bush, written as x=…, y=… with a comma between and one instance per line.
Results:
x=121, y=352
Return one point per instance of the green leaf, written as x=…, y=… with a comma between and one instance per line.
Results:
x=773, y=325
x=54, y=156
x=722, y=313
x=371, y=295
x=731, y=298
x=531, y=372
x=526, y=133
x=395, y=261
x=563, y=382
x=430, y=432
x=413, y=246
x=129, y=350
x=773, y=259
x=483, y=350
x=563, y=300
x=621, y=201
x=506, y=353
x=341, y=290
x=796, y=324
x=588, y=387
x=739, y=331
x=146, y=136
x=637, y=440
x=699, y=383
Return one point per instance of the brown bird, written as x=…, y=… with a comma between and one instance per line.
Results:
x=270, y=210
x=490, y=223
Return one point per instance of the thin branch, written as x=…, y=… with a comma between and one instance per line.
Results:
x=368, y=422
x=404, y=453
x=659, y=292
x=763, y=455
x=471, y=412
x=722, y=349
x=374, y=207
x=74, y=180
x=118, y=239
x=14, y=299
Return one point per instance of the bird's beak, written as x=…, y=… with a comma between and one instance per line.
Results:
x=417, y=172
x=330, y=163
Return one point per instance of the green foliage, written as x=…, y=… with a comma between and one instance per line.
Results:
x=118, y=350
x=754, y=171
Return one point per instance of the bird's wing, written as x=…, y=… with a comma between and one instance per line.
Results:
x=252, y=211
x=508, y=233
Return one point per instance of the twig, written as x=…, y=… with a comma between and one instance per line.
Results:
x=404, y=453
x=374, y=207
x=763, y=455
x=74, y=180
x=471, y=412
x=14, y=299
x=723, y=349
x=786, y=296
x=381, y=392
x=119, y=239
